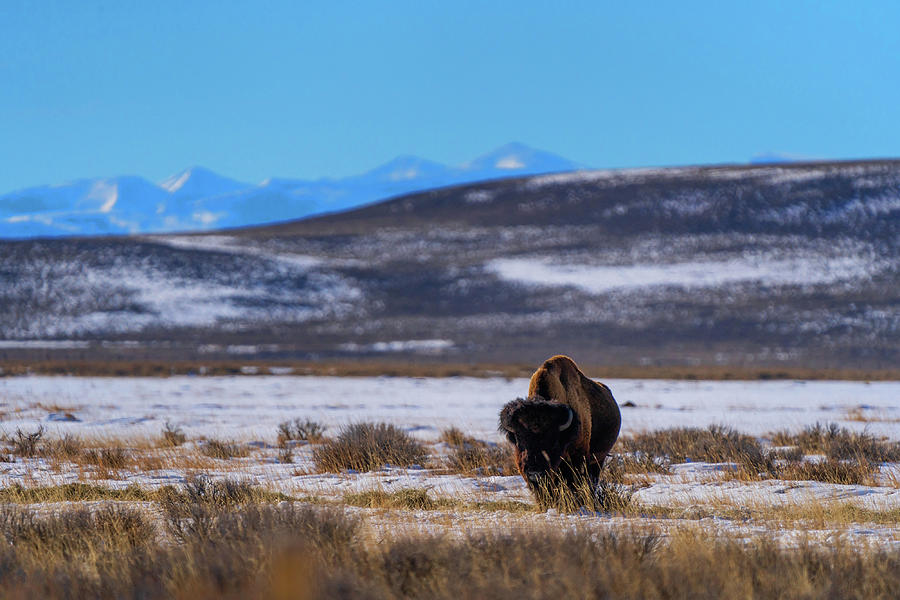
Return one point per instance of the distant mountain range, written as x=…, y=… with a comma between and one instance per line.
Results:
x=198, y=199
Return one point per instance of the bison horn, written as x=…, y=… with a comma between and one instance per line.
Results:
x=569, y=421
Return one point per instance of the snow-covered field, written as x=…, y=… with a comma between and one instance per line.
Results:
x=249, y=409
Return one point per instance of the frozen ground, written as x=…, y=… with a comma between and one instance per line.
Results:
x=248, y=409
x=252, y=407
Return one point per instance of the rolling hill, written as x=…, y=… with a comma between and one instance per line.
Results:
x=775, y=265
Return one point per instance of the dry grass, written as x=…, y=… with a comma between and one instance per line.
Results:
x=66, y=448
x=71, y=492
x=829, y=471
x=420, y=499
x=99, y=536
x=715, y=444
x=408, y=499
x=839, y=443
x=197, y=489
x=368, y=447
x=580, y=495
x=224, y=450
x=172, y=436
x=114, y=458
x=26, y=445
x=103, y=458
x=817, y=514
x=265, y=551
x=471, y=456
x=115, y=553
x=619, y=465
x=305, y=430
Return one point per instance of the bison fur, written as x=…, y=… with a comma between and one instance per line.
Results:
x=564, y=429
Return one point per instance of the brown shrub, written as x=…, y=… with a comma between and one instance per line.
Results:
x=714, y=444
x=368, y=447
x=408, y=499
x=223, y=449
x=111, y=459
x=472, y=456
x=828, y=471
x=839, y=443
x=26, y=444
x=66, y=448
x=305, y=430
x=172, y=436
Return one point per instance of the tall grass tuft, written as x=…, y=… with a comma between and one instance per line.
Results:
x=839, y=443
x=714, y=444
x=26, y=445
x=472, y=456
x=114, y=458
x=578, y=493
x=368, y=447
x=829, y=471
x=305, y=430
x=408, y=499
x=223, y=450
x=172, y=436
x=68, y=447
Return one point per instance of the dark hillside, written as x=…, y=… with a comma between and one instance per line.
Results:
x=792, y=265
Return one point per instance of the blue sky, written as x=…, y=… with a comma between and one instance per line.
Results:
x=308, y=89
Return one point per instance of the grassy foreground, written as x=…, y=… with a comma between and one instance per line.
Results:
x=211, y=545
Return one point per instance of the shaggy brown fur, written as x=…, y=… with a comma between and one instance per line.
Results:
x=534, y=424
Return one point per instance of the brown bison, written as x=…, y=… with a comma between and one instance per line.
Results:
x=565, y=427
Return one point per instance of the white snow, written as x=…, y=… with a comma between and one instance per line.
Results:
x=233, y=245
x=251, y=407
x=44, y=344
x=509, y=162
x=598, y=279
x=206, y=217
x=176, y=182
x=421, y=346
x=478, y=196
x=404, y=174
x=105, y=191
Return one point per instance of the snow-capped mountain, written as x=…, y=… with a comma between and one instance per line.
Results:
x=199, y=199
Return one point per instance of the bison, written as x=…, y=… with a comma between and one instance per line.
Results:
x=564, y=429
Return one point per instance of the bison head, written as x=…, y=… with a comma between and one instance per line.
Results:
x=541, y=431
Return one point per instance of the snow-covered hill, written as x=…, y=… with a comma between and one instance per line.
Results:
x=789, y=264
x=198, y=199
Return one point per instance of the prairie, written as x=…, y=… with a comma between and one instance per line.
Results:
x=392, y=486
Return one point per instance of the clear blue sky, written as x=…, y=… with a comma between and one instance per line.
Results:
x=307, y=89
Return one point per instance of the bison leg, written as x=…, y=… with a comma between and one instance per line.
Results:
x=594, y=467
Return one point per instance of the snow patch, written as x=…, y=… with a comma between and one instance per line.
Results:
x=176, y=182
x=107, y=192
x=208, y=218
x=509, y=162
x=419, y=346
x=478, y=197
x=598, y=279
x=404, y=174
x=44, y=344
x=232, y=245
